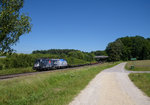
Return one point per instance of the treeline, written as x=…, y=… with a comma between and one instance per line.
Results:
x=67, y=53
x=73, y=57
x=126, y=48
x=54, y=51
x=99, y=53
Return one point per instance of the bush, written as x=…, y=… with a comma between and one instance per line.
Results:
x=1, y=67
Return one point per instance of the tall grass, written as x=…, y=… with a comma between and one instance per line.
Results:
x=142, y=81
x=141, y=65
x=16, y=71
x=54, y=88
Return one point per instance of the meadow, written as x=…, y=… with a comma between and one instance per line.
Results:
x=140, y=65
x=142, y=81
x=53, y=88
x=16, y=71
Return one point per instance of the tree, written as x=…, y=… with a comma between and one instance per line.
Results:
x=114, y=50
x=76, y=54
x=12, y=24
x=136, y=47
x=99, y=52
x=126, y=48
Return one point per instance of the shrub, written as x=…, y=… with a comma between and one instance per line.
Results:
x=1, y=67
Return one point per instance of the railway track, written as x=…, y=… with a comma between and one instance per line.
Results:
x=38, y=72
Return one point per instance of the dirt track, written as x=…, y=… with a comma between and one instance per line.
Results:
x=111, y=87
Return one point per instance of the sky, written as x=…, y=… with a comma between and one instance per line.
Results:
x=86, y=25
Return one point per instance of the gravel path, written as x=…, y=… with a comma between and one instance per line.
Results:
x=111, y=87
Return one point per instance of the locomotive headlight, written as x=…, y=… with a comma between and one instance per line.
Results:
x=36, y=65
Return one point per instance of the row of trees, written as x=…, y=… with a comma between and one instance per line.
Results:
x=67, y=53
x=54, y=51
x=126, y=48
x=99, y=52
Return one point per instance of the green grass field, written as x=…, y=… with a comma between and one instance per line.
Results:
x=141, y=65
x=53, y=88
x=16, y=71
x=142, y=81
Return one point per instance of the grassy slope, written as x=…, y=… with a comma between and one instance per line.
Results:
x=55, y=88
x=142, y=81
x=143, y=65
x=16, y=70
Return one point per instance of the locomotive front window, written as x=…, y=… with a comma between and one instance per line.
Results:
x=45, y=61
x=37, y=61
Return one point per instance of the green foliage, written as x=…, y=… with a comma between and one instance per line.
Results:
x=67, y=53
x=140, y=65
x=114, y=50
x=129, y=47
x=75, y=61
x=54, y=51
x=12, y=24
x=1, y=67
x=76, y=54
x=99, y=53
x=89, y=57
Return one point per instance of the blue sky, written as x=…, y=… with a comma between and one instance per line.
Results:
x=86, y=25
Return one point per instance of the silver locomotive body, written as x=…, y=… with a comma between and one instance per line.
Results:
x=59, y=63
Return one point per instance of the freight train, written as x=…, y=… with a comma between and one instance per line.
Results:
x=47, y=64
